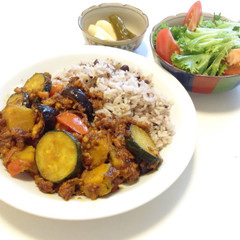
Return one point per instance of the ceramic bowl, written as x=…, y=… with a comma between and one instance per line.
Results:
x=134, y=19
x=193, y=82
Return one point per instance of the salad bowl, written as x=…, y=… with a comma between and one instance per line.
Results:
x=193, y=82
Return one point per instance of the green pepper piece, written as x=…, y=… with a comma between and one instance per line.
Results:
x=119, y=27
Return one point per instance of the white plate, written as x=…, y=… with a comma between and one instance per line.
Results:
x=22, y=193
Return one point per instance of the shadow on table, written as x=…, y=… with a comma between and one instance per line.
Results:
x=218, y=102
x=120, y=227
x=142, y=49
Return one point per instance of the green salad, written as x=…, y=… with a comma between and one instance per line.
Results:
x=211, y=47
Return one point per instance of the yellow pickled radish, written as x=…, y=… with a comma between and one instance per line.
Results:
x=99, y=33
x=107, y=26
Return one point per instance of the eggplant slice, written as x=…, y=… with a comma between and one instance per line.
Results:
x=79, y=96
x=49, y=115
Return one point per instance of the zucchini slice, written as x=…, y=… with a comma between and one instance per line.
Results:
x=20, y=98
x=142, y=146
x=39, y=82
x=58, y=156
x=79, y=96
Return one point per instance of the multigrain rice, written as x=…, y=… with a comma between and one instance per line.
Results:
x=127, y=93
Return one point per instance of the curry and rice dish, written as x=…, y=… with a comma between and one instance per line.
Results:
x=85, y=130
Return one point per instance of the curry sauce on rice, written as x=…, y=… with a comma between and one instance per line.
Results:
x=86, y=129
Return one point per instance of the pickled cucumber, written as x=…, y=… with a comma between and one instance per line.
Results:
x=119, y=27
x=113, y=30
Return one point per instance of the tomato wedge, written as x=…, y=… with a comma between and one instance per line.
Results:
x=72, y=121
x=166, y=45
x=193, y=16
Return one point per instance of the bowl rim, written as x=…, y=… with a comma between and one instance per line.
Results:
x=116, y=42
x=172, y=66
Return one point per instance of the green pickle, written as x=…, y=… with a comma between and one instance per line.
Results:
x=119, y=27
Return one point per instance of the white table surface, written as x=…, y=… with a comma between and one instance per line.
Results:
x=204, y=203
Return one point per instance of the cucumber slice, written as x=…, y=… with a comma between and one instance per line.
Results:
x=58, y=156
x=142, y=146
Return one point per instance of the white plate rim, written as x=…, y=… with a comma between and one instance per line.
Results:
x=129, y=197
